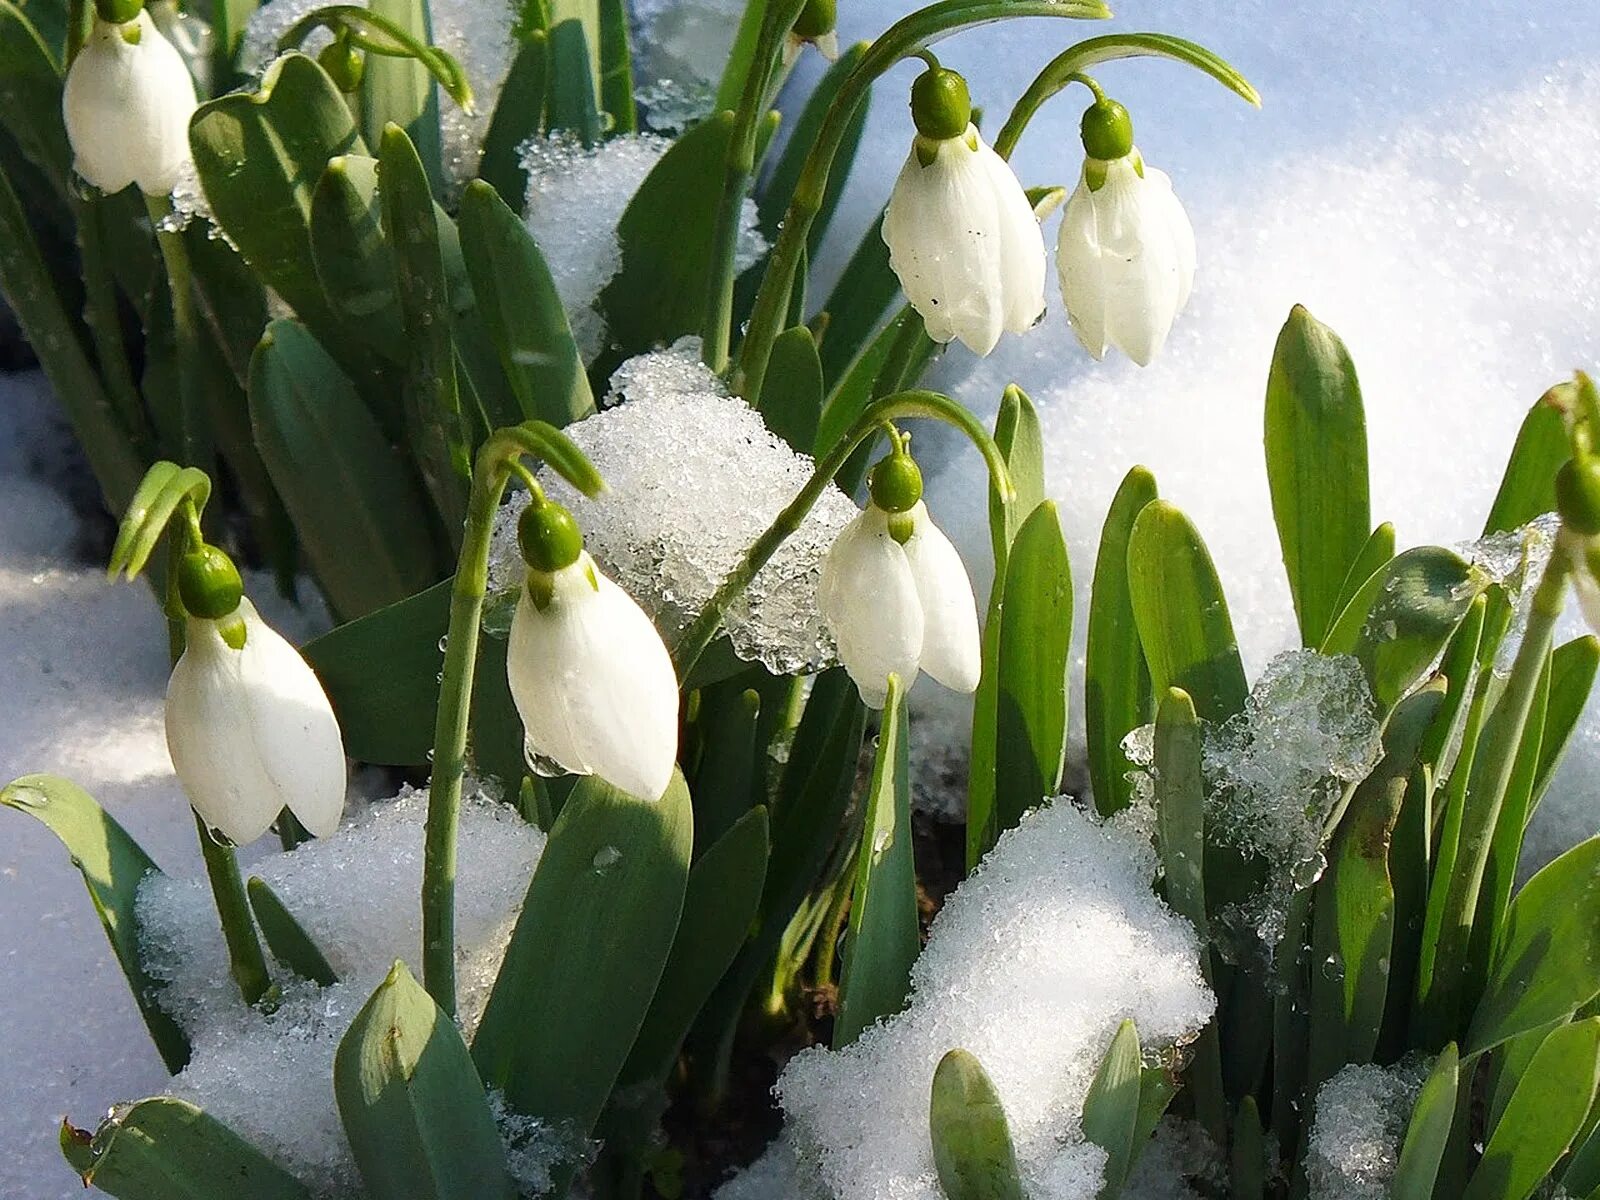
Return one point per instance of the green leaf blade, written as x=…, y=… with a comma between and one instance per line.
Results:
x=972, y=1149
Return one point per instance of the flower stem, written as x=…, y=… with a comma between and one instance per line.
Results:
x=493, y=468
x=693, y=641
x=180, y=285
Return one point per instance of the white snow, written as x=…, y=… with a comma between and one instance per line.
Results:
x=1361, y=1117
x=1031, y=965
x=693, y=477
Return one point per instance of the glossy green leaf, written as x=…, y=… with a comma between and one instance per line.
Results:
x=112, y=865
x=719, y=909
x=1428, y=1131
x=1509, y=1064
x=587, y=952
x=30, y=97
x=1035, y=648
x=1111, y=1107
x=1572, y=674
x=1116, y=683
x=362, y=520
x=435, y=433
x=1247, y=1159
x=616, y=69
x=972, y=1150
x=167, y=1149
x=1316, y=440
x=883, y=939
x=1379, y=549
x=522, y=310
x=723, y=778
x=1157, y=1087
x=571, y=101
x=1528, y=487
x=1021, y=444
x=413, y=1107
x=1401, y=618
x=1581, y=1176
x=584, y=16
x=516, y=119
x=791, y=394
x=1180, y=806
x=1460, y=670
x=401, y=91
x=779, y=187
x=1547, y=965
x=286, y=937
x=1181, y=615
x=1353, y=923
x=1544, y=1115
x=355, y=265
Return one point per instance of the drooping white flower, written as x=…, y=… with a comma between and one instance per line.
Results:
x=962, y=237
x=127, y=103
x=251, y=732
x=1126, y=253
x=593, y=683
x=1583, y=558
x=900, y=607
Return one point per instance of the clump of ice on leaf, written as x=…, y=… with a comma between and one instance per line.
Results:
x=476, y=33
x=1032, y=964
x=1275, y=770
x=269, y=1075
x=693, y=477
x=1514, y=560
x=1361, y=1118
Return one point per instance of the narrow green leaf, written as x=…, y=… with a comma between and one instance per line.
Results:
x=1460, y=668
x=522, y=310
x=1021, y=444
x=1378, y=550
x=1528, y=487
x=167, y=1149
x=587, y=952
x=355, y=265
x=1182, y=617
x=1316, y=440
x=572, y=101
x=883, y=940
x=616, y=68
x=1548, y=962
x=1509, y=1064
x=1572, y=673
x=1034, y=651
x=1582, y=1174
x=412, y=1104
x=1399, y=621
x=1248, y=1158
x=972, y=1150
x=112, y=865
x=1157, y=1087
x=1544, y=1115
x=1116, y=681
x=30, y=97
x=353, y=500
x=723, y=779
x=286, y=937
x=516, y=119
x=791, y=393
x=731, y=86
x=1428, y=1131
x=1111, y=1108
x=585, y=16
x=400, y=91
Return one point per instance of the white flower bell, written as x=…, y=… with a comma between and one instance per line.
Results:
x=249, y=728
x=593, y=683
x=127, y=103
x=1126, y=251
x=895, y=593
x=962, y=237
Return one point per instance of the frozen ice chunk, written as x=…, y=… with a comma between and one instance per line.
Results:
x=1031, y=965
x=1361, y=1117
x=1275, y=770
x=680, y=49
x=693, y=477
x=1515, y=560
x=270, y=1075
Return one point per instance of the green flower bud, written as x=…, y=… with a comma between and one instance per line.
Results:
x=896, y=483
x=1578, y=495
x=816, y=19
x=209, y=584
x=549, y=537
x=1107, y=130
x=118, y=12
x=940, y=104
x=344, y=63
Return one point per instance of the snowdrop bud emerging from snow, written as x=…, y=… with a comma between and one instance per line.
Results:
x=249, y=728
x=1126, y=251
x=814, y=25
x=592, y=682
x=962, y=236
x=895, y=594
x=127, y=103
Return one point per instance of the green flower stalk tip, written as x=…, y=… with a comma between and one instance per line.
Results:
x=941, y=106
x=1578, y=494
x=549, y=536
x=1107, y=130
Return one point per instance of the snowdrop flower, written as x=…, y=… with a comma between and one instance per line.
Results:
x=249, y=728
x=127, y=104
x=1578, y=502
x=1126, y=250
x=962, y=236
x=814, y=26
x=593, y=684
x=895, y=594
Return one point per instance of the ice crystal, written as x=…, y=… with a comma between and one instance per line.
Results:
x=1361, y=1117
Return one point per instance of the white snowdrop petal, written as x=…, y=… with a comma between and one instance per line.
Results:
x=869, y=600
x=127, y=108
x=1021, y=248
x=1179, y=229
x=943, y=232
x=1587, y=589
x=536, y=667
x=1078, y=265
x=951, y=649
x=1139, y=261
